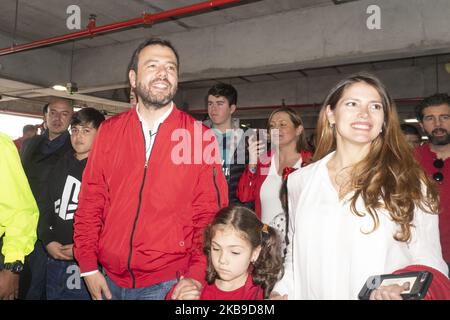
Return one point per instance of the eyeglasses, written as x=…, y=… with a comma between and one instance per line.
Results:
x=438, y=164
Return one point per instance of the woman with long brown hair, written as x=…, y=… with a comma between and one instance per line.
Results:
x=364, y=207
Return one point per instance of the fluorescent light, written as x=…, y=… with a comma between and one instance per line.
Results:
x=424, y=138
x=76, y=109
x=59, y=87
x=411, y=121
x=337, y=2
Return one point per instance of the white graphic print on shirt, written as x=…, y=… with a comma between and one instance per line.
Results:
x=67, y=205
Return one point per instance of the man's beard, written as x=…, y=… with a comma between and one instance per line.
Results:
x=154, y=100
x=441, y=140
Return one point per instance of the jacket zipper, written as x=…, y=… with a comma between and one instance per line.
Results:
x=215, y=185
x=138, y=208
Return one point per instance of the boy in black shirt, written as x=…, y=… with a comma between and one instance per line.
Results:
x=56, y=222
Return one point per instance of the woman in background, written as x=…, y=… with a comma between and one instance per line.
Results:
x=262, y=180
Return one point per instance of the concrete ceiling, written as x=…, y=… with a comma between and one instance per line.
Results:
x=40, y=19
x=30, y=20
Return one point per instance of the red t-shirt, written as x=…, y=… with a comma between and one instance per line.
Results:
x=426, y=157
x=18, y=142
x=249, y=291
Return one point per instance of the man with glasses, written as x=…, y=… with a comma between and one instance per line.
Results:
x=433, y=114
x=39, y=155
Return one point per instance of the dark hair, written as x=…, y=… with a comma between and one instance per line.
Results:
x=45, y=108
x=283, y=195
x=28, y=127
x=133, y=65
x=434, y=100
x=224, y=90
x=268, y=268
x=410, y=129
x=311, y=141
x=86, y=116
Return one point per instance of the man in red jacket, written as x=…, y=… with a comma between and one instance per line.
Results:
x=434, y=116
x=143, y=207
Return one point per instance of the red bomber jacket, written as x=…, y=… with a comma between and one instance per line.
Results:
x=144, y=222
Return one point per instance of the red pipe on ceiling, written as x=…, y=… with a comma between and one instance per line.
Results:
x=91, y=30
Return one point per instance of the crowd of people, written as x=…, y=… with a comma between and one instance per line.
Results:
x=101, y=209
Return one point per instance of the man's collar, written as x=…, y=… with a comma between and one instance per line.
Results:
x=160, y=120
x=60, y=137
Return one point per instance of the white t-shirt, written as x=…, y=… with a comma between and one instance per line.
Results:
x=329, y=256
x=271, y=210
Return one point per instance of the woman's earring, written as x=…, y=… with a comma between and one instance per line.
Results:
x=331, y=125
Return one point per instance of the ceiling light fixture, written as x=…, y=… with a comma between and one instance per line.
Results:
x=59, y=87
x=411, y=121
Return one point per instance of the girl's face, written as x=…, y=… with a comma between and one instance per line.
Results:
x=231, y=255
x=358, y=115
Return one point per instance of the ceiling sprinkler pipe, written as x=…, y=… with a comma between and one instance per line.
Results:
x=93, y=30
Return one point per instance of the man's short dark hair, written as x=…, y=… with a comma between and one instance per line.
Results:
x=28, y=128
x=151, y=42
x=434, y=100
x=410, y=129
x=45, y=108
x=86, y=116
x=224, y=90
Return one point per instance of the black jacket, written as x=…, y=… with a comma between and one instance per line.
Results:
x=38, y=165
x=61, y=200
x=236, y=170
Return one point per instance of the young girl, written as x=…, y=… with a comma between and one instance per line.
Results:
x=244, y=256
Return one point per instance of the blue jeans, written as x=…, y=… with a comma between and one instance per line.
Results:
x=34, y=274
x=154, y=292
x=64, y=281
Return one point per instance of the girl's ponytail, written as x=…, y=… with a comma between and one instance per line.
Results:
x=268, y=268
